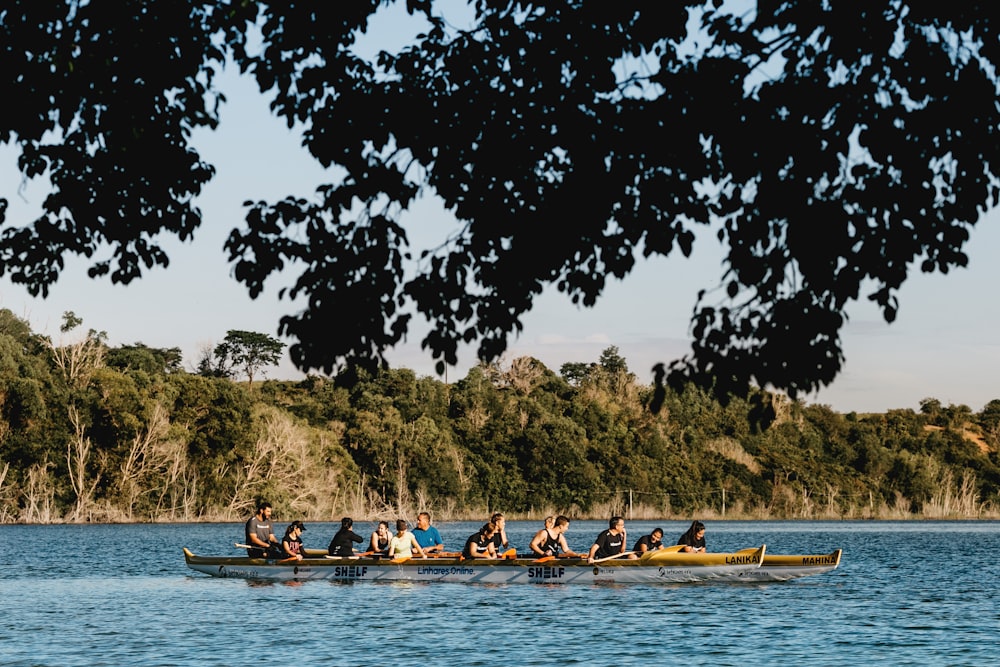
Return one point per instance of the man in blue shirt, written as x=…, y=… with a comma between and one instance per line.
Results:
x=427, y=535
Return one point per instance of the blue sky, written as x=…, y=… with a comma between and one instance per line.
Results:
x=945, y=343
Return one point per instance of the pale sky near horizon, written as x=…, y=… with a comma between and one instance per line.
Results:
x=944, y=343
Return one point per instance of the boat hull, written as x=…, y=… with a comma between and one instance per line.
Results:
x=681, y=569
x=781, y=567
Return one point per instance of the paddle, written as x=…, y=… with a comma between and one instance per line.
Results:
x=624, y=553
x=239, y=545
x=360, y=555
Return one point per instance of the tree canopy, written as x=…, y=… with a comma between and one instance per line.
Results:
x=245, y=352
x=830, y=147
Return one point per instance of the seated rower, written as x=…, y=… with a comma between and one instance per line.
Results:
x=650, y=542
x=403, y=543
x=551, y=540
x=694, y=538
x=610, y=542
x=500, y=541
x=342, y=543
x=427, y=535
x=291, y=544
x=480, y=544
x=379, y=543
x=260, y=539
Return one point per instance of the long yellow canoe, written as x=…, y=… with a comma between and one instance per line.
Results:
x=655, y=567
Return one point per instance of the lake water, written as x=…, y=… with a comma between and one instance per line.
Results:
x=906, y=593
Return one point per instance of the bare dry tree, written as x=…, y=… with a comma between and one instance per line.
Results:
x=39, y=494
x=139, y=463
x=78, y=451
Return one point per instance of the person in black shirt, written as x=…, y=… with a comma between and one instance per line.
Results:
x=610, y=542
x=650, y=542
x=694, y=539
x=342, y=542
x=480, y=543
x=291, y=545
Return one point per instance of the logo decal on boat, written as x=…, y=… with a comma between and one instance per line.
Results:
x=237, y=572
x=547, y=572
x=819, y=560
x=442, y=571
x=743, y=560
x=350, y=571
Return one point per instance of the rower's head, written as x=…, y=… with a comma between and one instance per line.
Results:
x=346, y=522
x=401, y=526
x=657, y=534
x=561, y=524
x=423, y=521
x=617, y=523
x=264, y=509
x=498, y=520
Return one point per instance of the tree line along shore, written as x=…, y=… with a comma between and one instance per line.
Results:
x=95, y=433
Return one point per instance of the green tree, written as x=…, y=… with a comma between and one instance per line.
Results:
x=829, y=146
x=612, y=362
x=142, y=357
x=574, y=372
x=989, y=421
x=246, y=352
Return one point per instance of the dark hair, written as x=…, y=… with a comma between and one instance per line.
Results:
x=263, y=505
x=614, y=521
x=384, y=523
x=693, y=530
x=401, y=524
x=426, y=514
x=496, y=515
x=346, y=522
x=292, y=526
x=561, y=521
x=488, y=527
x=657, y=530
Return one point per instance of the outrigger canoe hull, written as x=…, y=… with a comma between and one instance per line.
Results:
x=781, y=567
x=655, y=568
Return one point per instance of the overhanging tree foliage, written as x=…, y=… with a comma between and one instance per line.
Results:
x=829, y=146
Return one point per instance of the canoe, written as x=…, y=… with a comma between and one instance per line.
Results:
x=667, y=566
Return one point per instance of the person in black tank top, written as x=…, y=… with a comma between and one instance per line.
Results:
x=551, y=540
x=379, y=543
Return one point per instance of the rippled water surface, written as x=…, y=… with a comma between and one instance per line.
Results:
x=908, y=593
